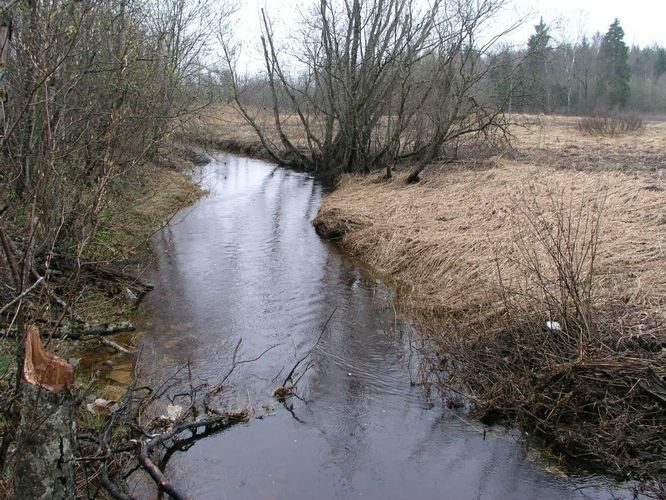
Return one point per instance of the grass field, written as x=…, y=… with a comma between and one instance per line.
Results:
x=563, y=227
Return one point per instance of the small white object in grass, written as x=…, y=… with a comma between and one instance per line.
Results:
x=173, y=412
x=553, y=326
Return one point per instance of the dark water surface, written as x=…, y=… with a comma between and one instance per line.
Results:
x=245, y=262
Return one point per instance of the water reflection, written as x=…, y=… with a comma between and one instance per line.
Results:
x=246, y=263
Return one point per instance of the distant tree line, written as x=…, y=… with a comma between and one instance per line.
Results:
x=364, y=84
x=591, y=75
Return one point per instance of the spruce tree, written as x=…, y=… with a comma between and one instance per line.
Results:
x=535, y=68
x=660, y=65
x=614, y=59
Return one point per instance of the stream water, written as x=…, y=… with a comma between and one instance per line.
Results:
x=245, y=263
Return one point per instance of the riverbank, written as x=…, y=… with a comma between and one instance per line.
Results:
x=143, y=203
x=110, y=283
x=105, y=289
x=222, y=128
x=537, y=276
x=540, y=282
x=139, y=202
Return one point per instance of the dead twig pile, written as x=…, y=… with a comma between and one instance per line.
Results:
x=150, y=424
x=602, y=407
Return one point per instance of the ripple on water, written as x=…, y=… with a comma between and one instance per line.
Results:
x=245, y=263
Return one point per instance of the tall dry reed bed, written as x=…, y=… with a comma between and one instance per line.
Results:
x=488, y=257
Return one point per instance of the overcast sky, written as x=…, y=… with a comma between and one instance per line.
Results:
x=643, y=21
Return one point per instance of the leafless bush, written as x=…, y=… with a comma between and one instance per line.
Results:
x=610, y=125
x=558, y=356
x=556, y=251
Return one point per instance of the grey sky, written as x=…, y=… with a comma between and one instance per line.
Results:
x=642, y=20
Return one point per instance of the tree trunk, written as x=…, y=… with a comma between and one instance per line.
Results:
x=5, y=37
x=414, y=175
x=45, y=457
x=46, y=442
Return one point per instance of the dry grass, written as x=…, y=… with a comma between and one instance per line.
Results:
x=551, y=141
x=222, y=127
x=554, y=141
x=485, y=257
x=441, y=237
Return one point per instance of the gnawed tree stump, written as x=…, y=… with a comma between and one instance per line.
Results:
x=46, y=443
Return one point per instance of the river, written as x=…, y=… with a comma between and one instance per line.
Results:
x=245, y=263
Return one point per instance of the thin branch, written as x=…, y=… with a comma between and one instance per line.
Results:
x=16, y=299
x=307, y=354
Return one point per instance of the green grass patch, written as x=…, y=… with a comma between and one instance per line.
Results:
x=5, y=360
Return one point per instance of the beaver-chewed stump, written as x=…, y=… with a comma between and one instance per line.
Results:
x=46, y=440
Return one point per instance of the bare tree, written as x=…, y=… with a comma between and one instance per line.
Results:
x=377, y=81
x=457, y=104
x=89, y=91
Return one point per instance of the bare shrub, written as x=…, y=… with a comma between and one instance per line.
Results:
x=610, y=125
x=556, y=249
x=559, y=356
x=385, y=82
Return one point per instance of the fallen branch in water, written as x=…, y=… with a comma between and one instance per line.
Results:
x=114, y=345
x=78, y=332
x=234, y=363
x=151, y=424
x=287, y=389
x=156, y=474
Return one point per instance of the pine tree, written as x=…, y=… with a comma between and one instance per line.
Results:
x=535, y=68
x=614, y=59
x=660, y=65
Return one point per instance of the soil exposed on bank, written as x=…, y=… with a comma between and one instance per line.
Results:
x=140, y=203
x=101, y=294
